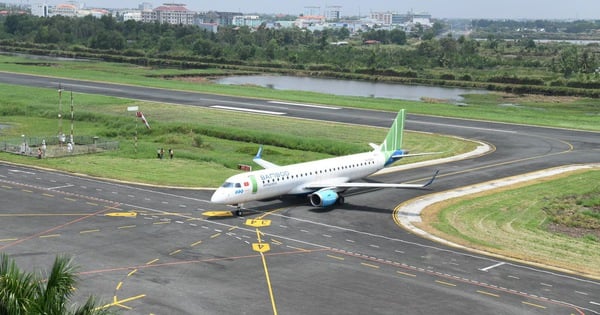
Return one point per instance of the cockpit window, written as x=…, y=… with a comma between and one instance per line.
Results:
x=238, y=185
x=227, y=185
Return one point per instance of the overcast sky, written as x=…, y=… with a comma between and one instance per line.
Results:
x=512, y=9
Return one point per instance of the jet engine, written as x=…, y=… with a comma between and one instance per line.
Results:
x=323, y=198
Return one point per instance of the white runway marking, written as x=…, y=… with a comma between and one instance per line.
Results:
x=492, y=266
x=239, y=109
x=304, y=105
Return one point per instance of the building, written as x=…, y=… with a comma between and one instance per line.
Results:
x=40, y=9
x=333, y=13
x=170, y=13
x=252, y=21
x=64, y=9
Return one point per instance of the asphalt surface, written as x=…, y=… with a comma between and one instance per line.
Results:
x=149, y=250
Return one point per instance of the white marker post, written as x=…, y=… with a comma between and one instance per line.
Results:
x=135, y=138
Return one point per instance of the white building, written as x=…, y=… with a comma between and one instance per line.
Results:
x=170, y=13
x=247, y=20
x=40, y=9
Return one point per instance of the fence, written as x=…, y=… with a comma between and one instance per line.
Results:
x=52, y=146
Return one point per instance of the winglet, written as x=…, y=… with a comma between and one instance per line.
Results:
x=259, y=153
x=432, y=179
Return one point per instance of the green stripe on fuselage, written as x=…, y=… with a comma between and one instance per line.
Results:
x=254, y=184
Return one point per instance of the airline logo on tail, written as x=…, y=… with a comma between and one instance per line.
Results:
x=392, y=145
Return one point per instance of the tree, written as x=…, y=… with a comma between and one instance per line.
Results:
x=23, y=293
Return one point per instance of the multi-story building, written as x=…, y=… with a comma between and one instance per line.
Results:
x=170, y=13
x=247, y=20
x=40, y=9
x=333, y=13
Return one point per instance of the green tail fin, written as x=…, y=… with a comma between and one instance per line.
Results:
x=393, y=140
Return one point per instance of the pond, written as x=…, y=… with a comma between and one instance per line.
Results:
x=351, y=87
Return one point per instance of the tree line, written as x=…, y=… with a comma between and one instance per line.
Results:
x=424, y=53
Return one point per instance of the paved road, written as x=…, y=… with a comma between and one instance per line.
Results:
x=150, y=250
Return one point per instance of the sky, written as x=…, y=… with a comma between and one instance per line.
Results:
x=472, y=9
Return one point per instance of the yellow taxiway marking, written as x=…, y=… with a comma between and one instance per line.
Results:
x=50, y=235
x=264, y=261
x=6, y=187
x=174, y=252
x=119, y=285
x=117, y=302
x=128, y=214
x=534, y=305
x=370, y=265
x=70, y=199
x=445, y=283
x=196, y=243
x=258, y=223
x=406, y=274
x=217, y=213
x=91, y=203
x=89, y=231
x=152, y=261
x=47, y=195
x=298, y=248
x=8, y=239
x=27, y=190
x=335, y=257
x=132, y=272
x=127, y=226
x=232, y=228
x=162, y=222
x=215, y=235
x=488, y=293
x=261, y=247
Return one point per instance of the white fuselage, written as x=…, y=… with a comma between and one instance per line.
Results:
x=302, y=178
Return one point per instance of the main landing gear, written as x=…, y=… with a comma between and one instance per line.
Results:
x=239, y=212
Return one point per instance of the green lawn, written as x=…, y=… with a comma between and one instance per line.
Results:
x=515, y=223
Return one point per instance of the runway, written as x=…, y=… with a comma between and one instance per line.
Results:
x=148, y=250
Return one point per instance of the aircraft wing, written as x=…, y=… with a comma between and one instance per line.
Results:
x=258, y=160
x=370, y=185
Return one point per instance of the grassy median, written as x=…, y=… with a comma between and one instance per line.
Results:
x=554, y=222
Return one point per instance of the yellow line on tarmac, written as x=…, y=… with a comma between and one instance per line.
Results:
x=91, y=203
x=8, y=239
x=162, y=222
x=215, y=235
x=50, y=235
x=47, y=195
x=152, y=261
x=370, y=265
x=174, y=252
x=406, y=274
x=335, y=257
x=132, y=272
x=264, y=261
x=126, y=227
x=446, y=283
x=194, y=244
x=119, y=285
x=534, y=305
x=70, y=199
x=89, y=231
x=488, y=293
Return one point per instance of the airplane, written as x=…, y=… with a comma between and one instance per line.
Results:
x=323, y=181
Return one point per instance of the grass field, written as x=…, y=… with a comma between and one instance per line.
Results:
x=575, y=113
x=208, y=143
x=516, y=223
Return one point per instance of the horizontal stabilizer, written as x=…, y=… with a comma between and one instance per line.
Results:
x=398, y=156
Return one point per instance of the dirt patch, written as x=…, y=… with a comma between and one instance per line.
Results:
x=572, y=231
x=534, y=98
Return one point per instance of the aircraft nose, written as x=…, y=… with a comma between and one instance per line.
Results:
x=218, y=196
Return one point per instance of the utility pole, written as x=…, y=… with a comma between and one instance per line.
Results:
x=60, y=130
